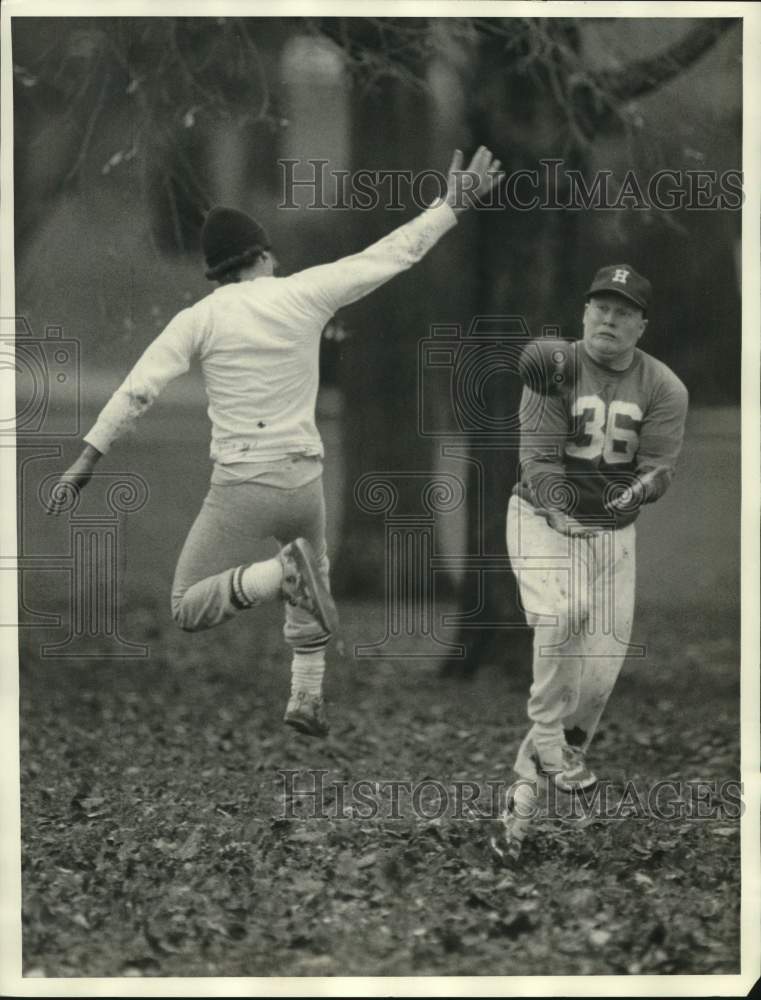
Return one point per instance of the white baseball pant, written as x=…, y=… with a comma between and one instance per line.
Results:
x=578, y=595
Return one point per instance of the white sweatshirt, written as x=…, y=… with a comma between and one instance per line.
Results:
x=258, y=343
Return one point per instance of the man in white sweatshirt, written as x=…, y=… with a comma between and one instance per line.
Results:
x=257, y=337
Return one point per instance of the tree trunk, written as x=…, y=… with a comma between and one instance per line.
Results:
x=527, y=270
x=379, y=361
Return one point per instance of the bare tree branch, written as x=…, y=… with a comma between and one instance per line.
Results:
x=546, y=49
x=645, y=75
x=89, y=130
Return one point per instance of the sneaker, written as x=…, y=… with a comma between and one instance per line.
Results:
x=306, y=712
x=510, y=830
x=302, y=584
x=565, y=767
x=507, y=839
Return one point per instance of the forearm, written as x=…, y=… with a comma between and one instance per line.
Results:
x=86, y=461
x=117, y=417
x=90, y=455
x=548, y=485
x=661, y=438
x=655, y=480
x=76, y=477
x=544, y=430
x=332, y=286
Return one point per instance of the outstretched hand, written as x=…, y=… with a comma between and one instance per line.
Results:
x=466, y=187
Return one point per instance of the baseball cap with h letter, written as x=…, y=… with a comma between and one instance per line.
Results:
x=623, y=280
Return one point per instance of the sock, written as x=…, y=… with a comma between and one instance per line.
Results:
x=261, y=581
x=523, y=808
x=307, y=670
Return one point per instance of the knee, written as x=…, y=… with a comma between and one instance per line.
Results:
x=323, y=563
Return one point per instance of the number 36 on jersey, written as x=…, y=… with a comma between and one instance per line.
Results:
x=605, y=431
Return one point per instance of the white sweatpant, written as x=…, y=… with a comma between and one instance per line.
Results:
x=225, y=535
x=578, y=595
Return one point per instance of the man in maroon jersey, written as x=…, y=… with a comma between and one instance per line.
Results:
x=602, y=424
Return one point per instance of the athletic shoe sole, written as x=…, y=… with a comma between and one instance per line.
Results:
x=307, y=715
x=306, y=564
x=309, y=727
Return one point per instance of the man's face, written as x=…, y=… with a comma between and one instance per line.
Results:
x=612, y=326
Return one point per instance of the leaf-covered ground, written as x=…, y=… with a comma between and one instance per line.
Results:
x=156, y=841
x=153, y=828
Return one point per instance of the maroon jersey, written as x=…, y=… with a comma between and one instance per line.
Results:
x=581, y=446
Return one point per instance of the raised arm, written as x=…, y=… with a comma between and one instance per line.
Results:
x=328, y=287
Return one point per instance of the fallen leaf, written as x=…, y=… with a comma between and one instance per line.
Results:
x=303, y=835
x=192, y=845
x=599, y=938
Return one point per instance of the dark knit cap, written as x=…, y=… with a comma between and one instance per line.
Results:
x=229, y=239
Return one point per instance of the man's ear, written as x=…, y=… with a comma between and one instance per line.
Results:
x=644, y=327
